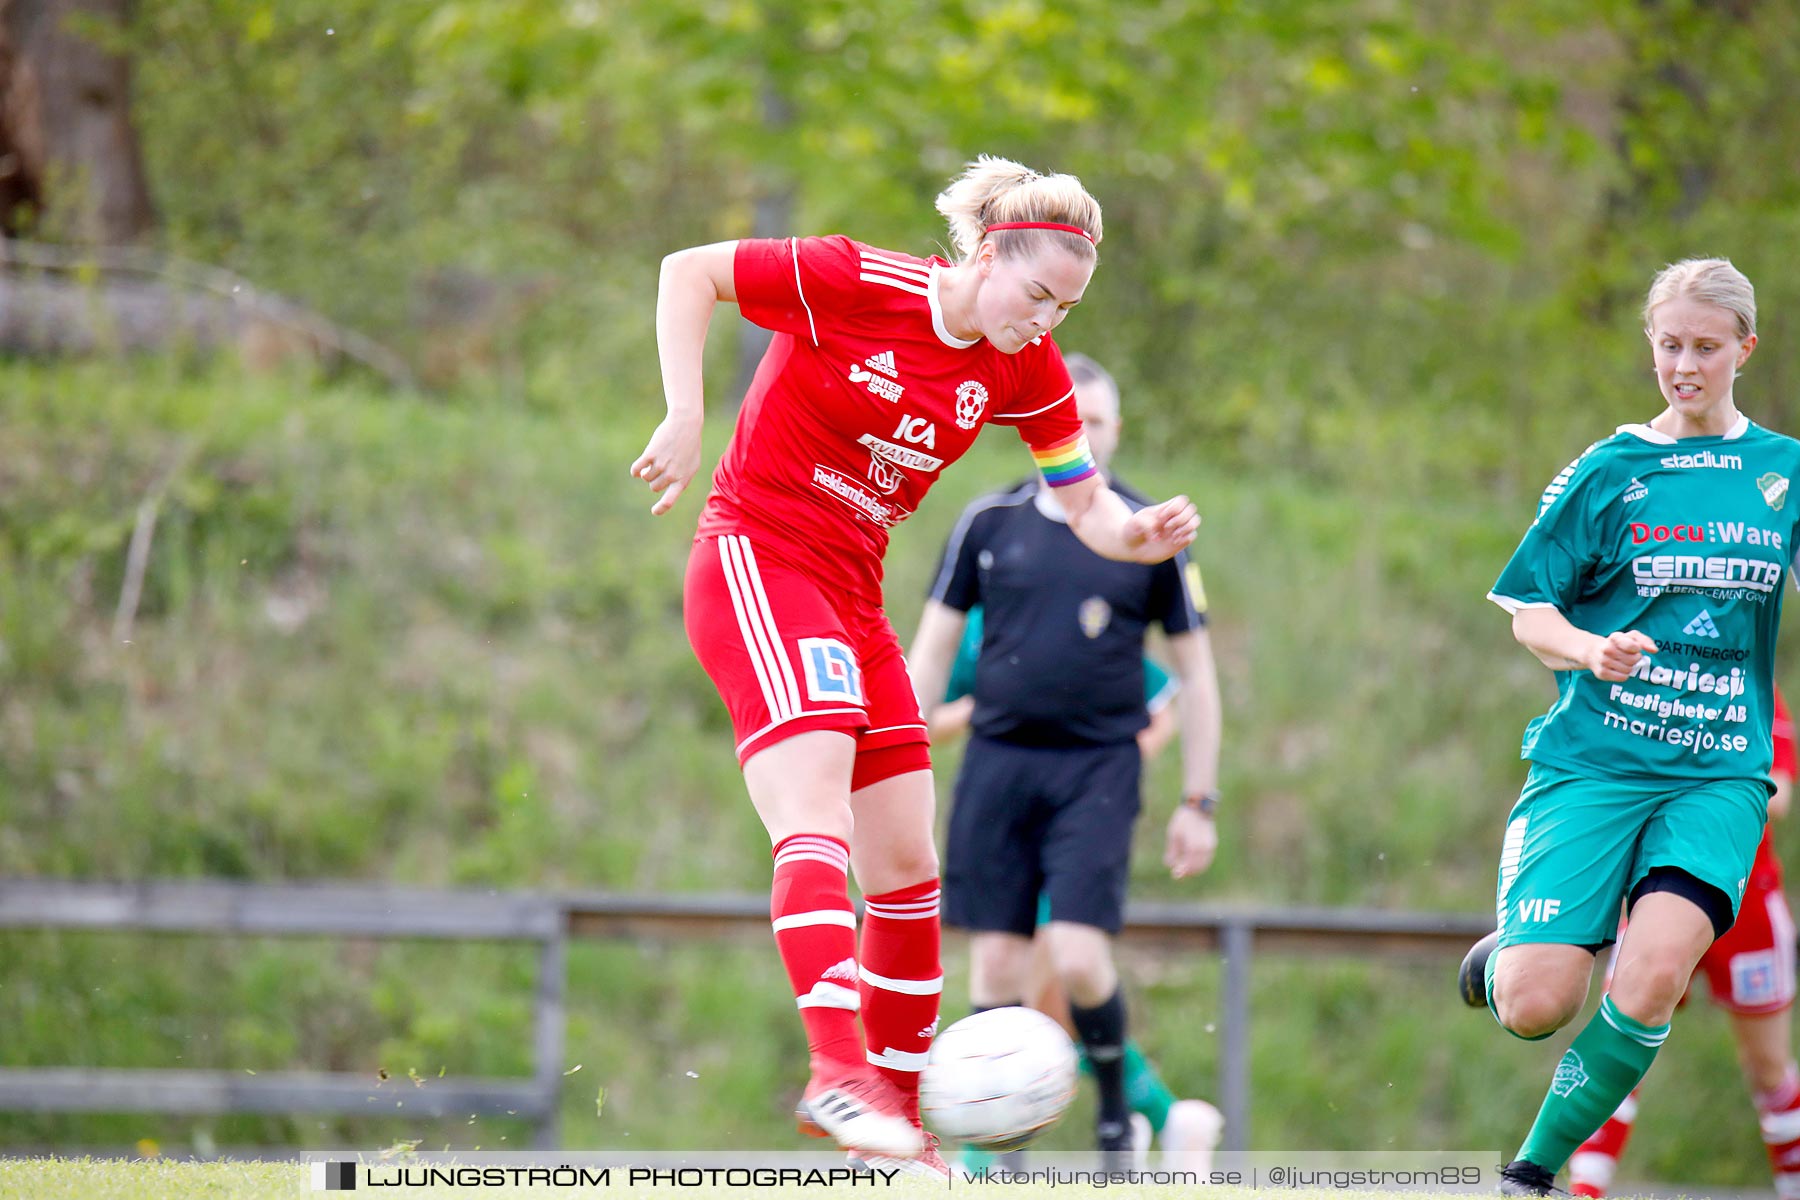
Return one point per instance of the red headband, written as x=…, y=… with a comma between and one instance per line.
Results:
x=1077, y=230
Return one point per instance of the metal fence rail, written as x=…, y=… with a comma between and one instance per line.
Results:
x=550, y=920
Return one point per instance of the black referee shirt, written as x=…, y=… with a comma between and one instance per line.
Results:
x=1062, y=653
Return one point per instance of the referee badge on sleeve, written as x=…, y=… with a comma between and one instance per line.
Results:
x=1196, y=589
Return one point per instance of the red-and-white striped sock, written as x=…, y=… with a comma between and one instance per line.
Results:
x=1780, y=1113
x=1592, y=1165
x=902, y=982
x=815, y=931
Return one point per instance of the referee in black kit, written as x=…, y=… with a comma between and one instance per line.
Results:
x=1049, y=786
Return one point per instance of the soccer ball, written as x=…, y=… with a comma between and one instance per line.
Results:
x=998, y=1078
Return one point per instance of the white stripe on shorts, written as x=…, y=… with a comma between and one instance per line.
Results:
x=784, y=673
x=753, y=645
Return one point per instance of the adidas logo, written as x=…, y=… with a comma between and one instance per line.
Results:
x=930, y=1031
x=1637, y=491
x=1701, y=626
x=844, y=970
x=883, y=362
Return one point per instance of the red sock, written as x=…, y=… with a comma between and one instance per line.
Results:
x=1780, y=1110
x=815, y=931
x=1591, y=1167
x=902, y=981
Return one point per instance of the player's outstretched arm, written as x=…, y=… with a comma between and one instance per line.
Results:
x=692, y=282
x=933, y=650
x=1562, y=647
x=1107, y=526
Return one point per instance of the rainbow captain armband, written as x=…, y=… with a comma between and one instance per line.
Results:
x=1068, y=461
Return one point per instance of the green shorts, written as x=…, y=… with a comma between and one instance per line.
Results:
x=1576, y=847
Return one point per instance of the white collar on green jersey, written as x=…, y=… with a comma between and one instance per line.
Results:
x=1660, y=438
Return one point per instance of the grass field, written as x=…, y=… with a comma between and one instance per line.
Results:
x=439, y=644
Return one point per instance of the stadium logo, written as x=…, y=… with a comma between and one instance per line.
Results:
x=1701, y=626
x=1637, y=491
x=334, y=1177
x=1570, y=1074
x=1095, y=614
x=971, y=398
x=1774, y=489
x=1706, y=458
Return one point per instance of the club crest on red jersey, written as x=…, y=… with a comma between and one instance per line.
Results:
x=971, y=398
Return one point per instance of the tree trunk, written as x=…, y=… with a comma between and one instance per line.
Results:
x=69, y=159
x=773, y=216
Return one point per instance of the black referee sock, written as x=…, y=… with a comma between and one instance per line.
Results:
x=1102, y=1030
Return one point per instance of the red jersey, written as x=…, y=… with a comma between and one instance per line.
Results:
x=1781, y=731
x=861, y=401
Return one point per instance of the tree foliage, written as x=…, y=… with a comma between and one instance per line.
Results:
x=1335, y=231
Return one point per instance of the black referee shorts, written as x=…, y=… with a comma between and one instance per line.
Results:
x=1028, y=820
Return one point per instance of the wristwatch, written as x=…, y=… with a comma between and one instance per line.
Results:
x=1204, y=803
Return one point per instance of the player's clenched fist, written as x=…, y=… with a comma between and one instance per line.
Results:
x=670, y=460
x=1162, y=530
x=1615, y=656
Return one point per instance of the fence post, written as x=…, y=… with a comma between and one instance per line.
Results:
x=548, y=1035
x=1234, y=1028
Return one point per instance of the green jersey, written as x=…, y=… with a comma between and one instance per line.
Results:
x=1688, y=542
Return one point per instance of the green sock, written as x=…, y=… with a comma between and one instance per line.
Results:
x=975, y=1160
x=1144, y=1088
x=1597, y=1072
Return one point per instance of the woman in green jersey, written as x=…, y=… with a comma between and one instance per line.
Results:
x=1650, y=583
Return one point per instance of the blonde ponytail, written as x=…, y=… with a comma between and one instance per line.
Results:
x=994, y=191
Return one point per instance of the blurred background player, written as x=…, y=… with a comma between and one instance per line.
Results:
x=1750, y=974
x=883, y=369
x=1187, y=1130
x=1050, y=784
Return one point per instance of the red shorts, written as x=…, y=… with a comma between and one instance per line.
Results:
x=1750, y=971
x=788, y=656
